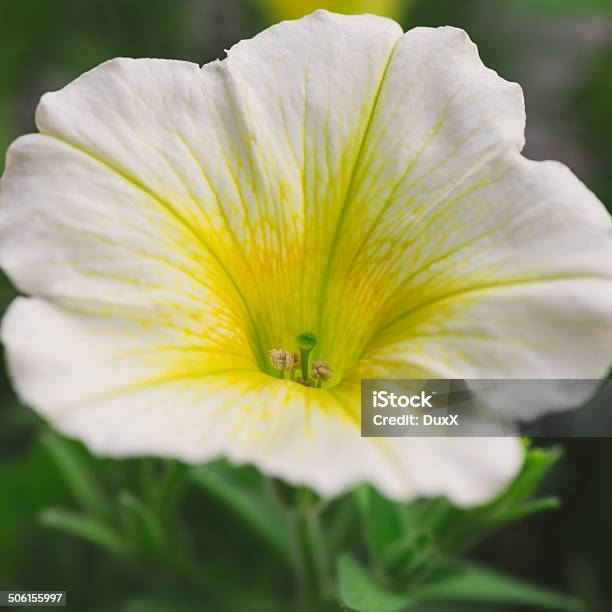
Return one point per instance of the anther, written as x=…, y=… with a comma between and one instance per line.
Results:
x=321, y=371
x=282, y=360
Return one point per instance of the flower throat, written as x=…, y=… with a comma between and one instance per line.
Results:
x=285, y=361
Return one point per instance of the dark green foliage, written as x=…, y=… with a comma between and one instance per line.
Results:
x=162, y=528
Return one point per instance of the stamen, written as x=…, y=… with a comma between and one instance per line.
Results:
x=321, y=371
x=281, y=360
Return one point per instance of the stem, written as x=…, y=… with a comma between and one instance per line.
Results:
x=149, y=480
x=318, y=549
x=299, y=561
x=298, y=556
x=172, y=487
x=309, y=554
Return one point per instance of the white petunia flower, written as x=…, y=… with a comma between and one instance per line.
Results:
x=334, y=178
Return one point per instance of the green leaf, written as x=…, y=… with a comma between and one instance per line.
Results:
x=360, y=592
x=380, y=517
x=423, y=521
x=462, y=529
x=544, y=504
x=469, y=582
x=85, y=527
x=173, y=486
x=27, y=486
x=537, y=463
x=412, y=554
x=341, y=523
x=250, y=502
x=145, y=525
x=79, y=477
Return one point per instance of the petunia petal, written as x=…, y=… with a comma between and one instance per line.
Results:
x=484, y=264
x=119, y=399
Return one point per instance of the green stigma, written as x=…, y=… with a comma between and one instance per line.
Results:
x=306, y=340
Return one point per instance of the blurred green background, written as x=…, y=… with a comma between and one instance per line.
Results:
x=560, y=51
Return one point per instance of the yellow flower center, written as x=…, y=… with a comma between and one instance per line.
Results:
x=340, y=297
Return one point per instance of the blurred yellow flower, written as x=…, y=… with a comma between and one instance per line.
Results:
x=177, y=228
x=287, y=9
